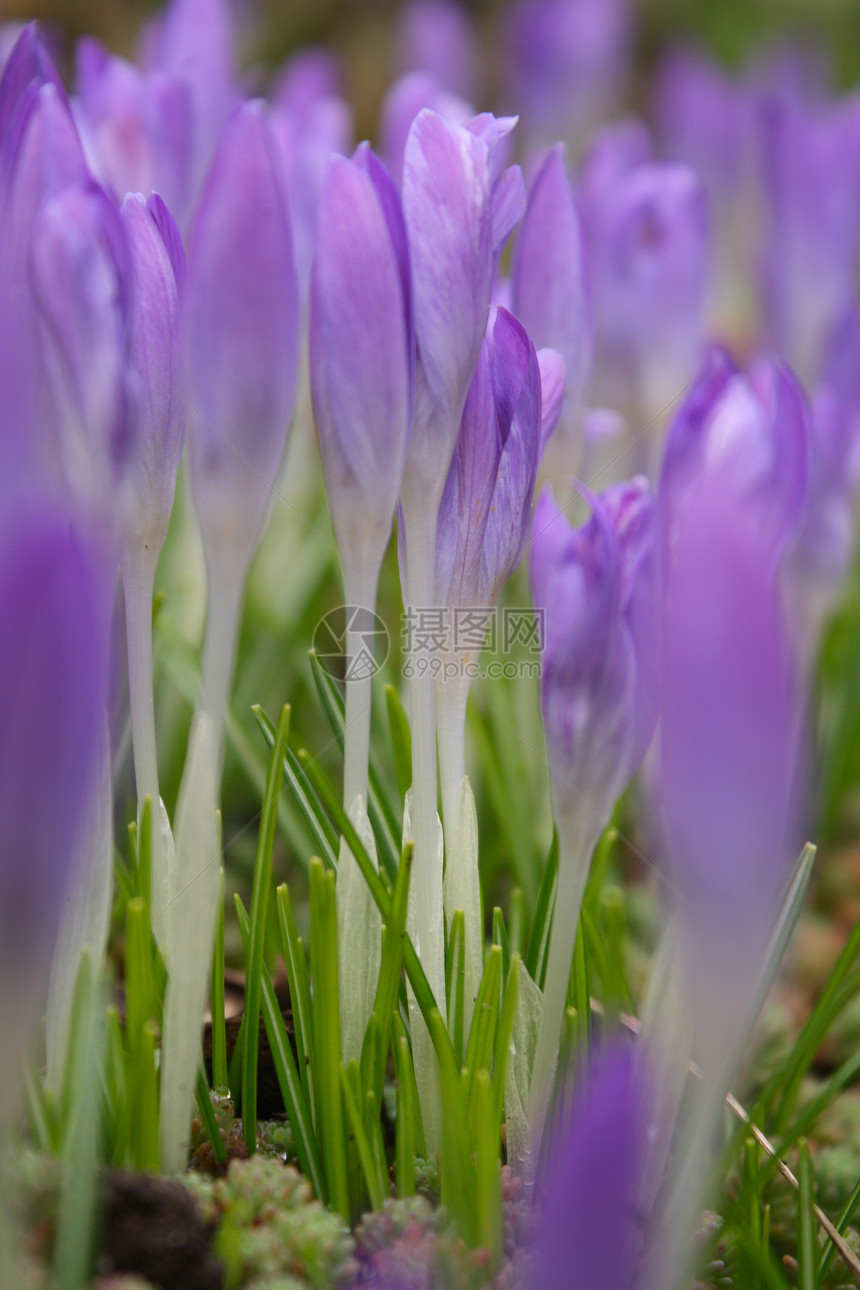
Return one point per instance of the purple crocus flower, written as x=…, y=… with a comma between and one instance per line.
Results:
x=241, y=338
x=81, y=274
x=648, y=249
x=435, y=36
x=408, y=96
x=587, y=1234
x=53, y=687
x=28, y=63
x=567, y=61
x=136, y=126
x=596, y=586
x=549, y=290
x=760, y=424
x=811, y=161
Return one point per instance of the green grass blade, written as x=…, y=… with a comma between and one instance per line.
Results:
x=319, y=825
x=455, y=964
x=405, y=1141
x=500, y=937
x=807, y=1245
x=456, y=1168
x=841, y=1224
x=482, y=1032
x=261, y=896
x=388, y=985
x=488, y=1191
x=504, y=1034
x=207, y=1115
x=542, y=921
x=300, y=993
x=297, y=1107
x=401, y=740
x=326, y=1026
x=217, y=1004
x=375, y=1186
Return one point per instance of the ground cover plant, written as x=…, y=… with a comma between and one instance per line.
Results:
x=428, y=661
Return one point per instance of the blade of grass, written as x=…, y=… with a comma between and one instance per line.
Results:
x=405, y=1142
x=401, y=740
x=500, y=937
x=261, y=896
x=504, y=1033
x=300, y=993
x=455, y=962
x=456, y=1169
x=375, y=1186
x=542, y=922
x=326, y=1025
x=488, y=1192
x=388, y=985
x=217, y=1004
x=482, y=1032
x=319, y=825
x=298, y=1110
x=807, y=1246
x=207, y=1115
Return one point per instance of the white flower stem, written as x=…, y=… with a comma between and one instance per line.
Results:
x=359, y=922
x=226, y=588
x=426, y=918
x=577, y=840
x=462, y=887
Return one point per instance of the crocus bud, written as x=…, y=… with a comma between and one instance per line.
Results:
x=435, y=36
x=82, y=280
x=240, y=337
x=153, y=403
x=759, y=425
x=408, y=96
x=811, y=161
x=28, y=63
x=53, y=687
x=549, y=290
x=648, y=247
x=587, y=1232
x=567, y=59
x=597, y=588
x=361, y=354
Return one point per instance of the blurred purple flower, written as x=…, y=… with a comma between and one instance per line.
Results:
x=549, y=290
x=28, y=63
x=82, y=281
x=435, y=36
x=759, y=425
x=811, y=166
x=136, y=125
x=487, y=502
x=408, y=96
x=55, y=599
x=647, y=245
x=588, y=1233
x=361, y=344
x=241, y=326
x=566, y=62
x=597, y=588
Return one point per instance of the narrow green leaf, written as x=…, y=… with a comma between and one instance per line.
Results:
x=841, y=1224
x=405, y=1144
x=504, y=1033
x=217, y=1005
x=298, y=1110
x=388, y=985
x=482, y=1032
x=300, y=993
x=375, y=1189
x=455, y=965
x=542, y=922
x=807, y=1245
x=297, y=782
x=488, y=1191
x=260, y=901
x=117, y=1115
x=326, y=1025
x=500, y=937
x=145, y=1110
x=401, y=740
x=456, y=1169
x=207, y=1115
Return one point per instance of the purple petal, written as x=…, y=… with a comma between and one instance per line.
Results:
x=435, y=36
x=407, y=97
x=28, y=63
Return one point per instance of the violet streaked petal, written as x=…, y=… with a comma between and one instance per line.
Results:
x=553, y=380
x=240, y=329
x=587, y=1234
x=29, y=62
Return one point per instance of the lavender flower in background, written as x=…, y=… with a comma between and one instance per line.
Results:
x=28, y=63
x=567, y=60
x=599, y=696
x=728, y=765
x=513, y=403
x=810, y=158
x=361, y=357
x=409, y=95
x=435, y=36
x=588, y=1232
x=136, y=126
x=549, y=292
x=647, y=247
x=53, y=688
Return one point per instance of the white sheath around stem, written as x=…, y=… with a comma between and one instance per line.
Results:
x=226, y=588
x=426, y=918
x=138, y=580
x=577, y=840
x=192, y=931
x=85, y=916
x=359, y=931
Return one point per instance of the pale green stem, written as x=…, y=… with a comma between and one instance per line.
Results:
x=577, y=840
x=359, y=922
x=462, y=887
x=425, y=896
x=226, y=589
